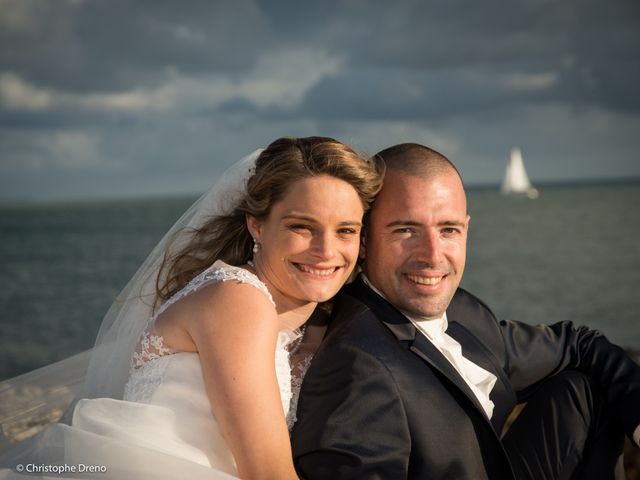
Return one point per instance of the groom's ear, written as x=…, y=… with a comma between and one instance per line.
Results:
x=363, y=245
x=254, y=226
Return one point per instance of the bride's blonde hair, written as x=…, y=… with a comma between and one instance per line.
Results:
x=283, y=162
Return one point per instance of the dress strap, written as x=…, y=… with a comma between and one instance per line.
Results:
x=218, y=272
x=151, y=345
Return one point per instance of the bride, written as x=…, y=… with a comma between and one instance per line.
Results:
x=203, y=381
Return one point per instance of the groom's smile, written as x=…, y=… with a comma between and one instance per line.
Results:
x=425, y=280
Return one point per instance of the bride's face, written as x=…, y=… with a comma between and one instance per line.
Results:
x=309, y=242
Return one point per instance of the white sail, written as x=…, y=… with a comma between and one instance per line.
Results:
x=516, y=181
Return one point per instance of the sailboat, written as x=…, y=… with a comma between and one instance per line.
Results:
x=516, y=181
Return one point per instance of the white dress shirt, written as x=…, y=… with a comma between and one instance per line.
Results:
x=480, y=381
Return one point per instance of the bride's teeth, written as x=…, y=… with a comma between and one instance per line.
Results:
x=324, y=272
x=424, y=280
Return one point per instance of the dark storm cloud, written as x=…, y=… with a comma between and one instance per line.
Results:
x=150, y=94
x=436, y=59
x=107, y=45
x=396, y=94
x=62, y=118
x=590, y=46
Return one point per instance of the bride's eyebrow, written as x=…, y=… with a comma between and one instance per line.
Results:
x=294, y=216
x=307, y=218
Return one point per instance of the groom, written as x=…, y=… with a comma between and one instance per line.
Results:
x=416, y=378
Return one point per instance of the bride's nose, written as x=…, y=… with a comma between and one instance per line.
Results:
x=323, y=245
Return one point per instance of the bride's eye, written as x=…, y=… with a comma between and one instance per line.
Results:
x=299, y=227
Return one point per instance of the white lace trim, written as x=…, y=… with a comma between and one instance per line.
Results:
x=283, y=369
x=144, y=381
x=151, y=345
x=297, y=376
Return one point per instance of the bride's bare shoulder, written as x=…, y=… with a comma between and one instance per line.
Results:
x=231, y=297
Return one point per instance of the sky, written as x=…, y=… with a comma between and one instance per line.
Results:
x=119, y=98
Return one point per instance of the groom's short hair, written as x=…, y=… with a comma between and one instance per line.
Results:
x=416, y=160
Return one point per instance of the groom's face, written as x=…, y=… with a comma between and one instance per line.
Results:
x=415, y=243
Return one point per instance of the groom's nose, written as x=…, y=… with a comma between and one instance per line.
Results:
x=429, y=248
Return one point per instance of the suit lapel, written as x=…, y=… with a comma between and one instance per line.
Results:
x=430, y=354
x=402, y=328
x=473, y=351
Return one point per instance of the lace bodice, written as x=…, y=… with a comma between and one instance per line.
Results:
x=152, y=356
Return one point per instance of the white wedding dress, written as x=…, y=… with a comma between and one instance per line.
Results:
x=164, y=426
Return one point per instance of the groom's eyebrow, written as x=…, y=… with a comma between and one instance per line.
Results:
x=411, y=223
x=452, y=223
x=403, y=223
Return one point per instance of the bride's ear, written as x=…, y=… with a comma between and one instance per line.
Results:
x=254, y=226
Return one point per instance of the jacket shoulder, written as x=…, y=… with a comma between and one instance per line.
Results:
x=477, y=317
x=354, y=324
x=465, y=304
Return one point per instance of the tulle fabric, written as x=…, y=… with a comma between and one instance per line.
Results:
x=126, y=319
x=173, y=436
x=49, y=394
x=99, y=457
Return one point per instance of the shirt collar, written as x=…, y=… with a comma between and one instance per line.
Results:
x=433, y=328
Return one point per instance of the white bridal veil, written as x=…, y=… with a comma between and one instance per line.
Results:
x=41, y=397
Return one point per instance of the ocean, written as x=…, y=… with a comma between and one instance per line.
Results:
x=574, y=253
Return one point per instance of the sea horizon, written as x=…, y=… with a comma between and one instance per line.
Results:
x=570, y=254
x=471, y=186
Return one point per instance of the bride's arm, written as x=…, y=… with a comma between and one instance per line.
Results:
x=234, y=328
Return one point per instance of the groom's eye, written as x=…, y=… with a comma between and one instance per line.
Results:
x=403, y=230
x=450, y=231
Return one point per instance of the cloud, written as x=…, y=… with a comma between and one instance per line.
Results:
x=524, y=82
x=280, y=78
x=114, y=45
x=373, y=136
x=126, y=56
x=149, y=96
x=50, y=150
x=580, y=43
x=15, y=94
x=377, y=94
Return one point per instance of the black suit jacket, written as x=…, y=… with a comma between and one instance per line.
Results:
x=380, y=401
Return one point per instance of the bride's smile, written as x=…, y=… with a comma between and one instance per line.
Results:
x=322, y=273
